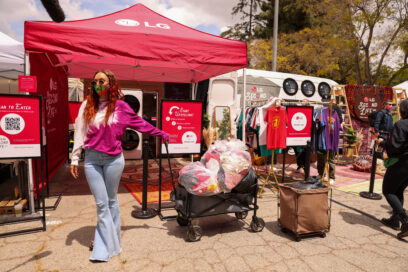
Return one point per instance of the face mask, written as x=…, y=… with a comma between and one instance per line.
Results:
x=101, y=89
x=389, y=107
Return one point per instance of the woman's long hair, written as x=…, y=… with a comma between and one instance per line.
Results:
x=92, y=104
x=404, y=109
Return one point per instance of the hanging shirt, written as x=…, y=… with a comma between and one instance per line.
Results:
x=107, y=138
x=263, y=127
x=331, y=129
x=276, y=132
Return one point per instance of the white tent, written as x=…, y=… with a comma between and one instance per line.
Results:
x=11, y=57
x=402, y=85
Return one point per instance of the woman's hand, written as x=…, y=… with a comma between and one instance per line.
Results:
x=74, y=171
x=165, y=136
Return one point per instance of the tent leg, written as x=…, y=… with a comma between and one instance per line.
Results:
x=243, y=106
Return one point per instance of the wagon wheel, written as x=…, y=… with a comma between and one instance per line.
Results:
x=241, y=215
x=257, y=224
x=182, y=221
x=194, y=233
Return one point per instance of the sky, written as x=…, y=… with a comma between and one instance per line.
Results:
x=198, y=14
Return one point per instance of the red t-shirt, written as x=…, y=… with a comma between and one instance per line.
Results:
x=276, y=129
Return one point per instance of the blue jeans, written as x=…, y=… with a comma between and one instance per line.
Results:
x=103, y=173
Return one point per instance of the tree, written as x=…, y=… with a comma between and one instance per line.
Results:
x=375, y=27
x=243, y=31
x=294, y=15
x=307, y=52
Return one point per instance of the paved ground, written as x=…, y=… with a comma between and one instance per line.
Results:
x=357, y=241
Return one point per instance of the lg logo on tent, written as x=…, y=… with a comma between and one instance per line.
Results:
x=129, y=22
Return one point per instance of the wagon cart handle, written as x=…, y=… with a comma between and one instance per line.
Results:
x=166, y=144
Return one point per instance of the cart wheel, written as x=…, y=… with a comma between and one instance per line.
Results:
x=257, y=224
x=322, y=235
x=241, y=215
x=182, y=221
x=298, y=239
x=284, y=230
x=194, y=233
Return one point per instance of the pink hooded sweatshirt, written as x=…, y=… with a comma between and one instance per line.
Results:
x=108, y=138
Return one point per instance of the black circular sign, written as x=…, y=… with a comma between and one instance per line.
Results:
x=133, y=102
x=130, y=140
x=290, y=86
x=308, y=88
x=324, y=90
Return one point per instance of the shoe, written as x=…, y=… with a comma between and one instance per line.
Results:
x=91, y=246
x=392, y=222
x=331, y=181
x=404, y=229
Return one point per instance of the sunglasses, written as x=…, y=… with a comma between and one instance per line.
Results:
x=100, y=81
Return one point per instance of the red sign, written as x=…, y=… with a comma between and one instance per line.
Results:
x=182, y=120
x=27, y=84
x=299, y=125
x=20, y=133
x=73, y=113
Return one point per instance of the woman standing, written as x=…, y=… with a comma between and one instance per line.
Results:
x=99, y=128
x=396, y=176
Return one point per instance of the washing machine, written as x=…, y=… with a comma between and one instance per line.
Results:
x=132, y=139
x=305, y=87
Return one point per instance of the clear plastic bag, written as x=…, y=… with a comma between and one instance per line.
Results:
x=199, y=180
x=236, y=165
x=220, y=169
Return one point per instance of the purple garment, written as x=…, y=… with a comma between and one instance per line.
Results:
x=108, y=138
x=332, y=137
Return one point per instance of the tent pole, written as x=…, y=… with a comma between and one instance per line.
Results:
x=30, y=161
x=193, y=91
x=243, y=106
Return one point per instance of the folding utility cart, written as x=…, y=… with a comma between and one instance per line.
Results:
x=240, y=200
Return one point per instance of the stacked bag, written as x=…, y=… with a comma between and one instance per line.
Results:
x=220, y=169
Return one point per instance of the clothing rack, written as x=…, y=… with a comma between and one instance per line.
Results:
x=304, y=103
x=256, y=101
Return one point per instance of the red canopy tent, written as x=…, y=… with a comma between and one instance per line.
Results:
x=136, y=44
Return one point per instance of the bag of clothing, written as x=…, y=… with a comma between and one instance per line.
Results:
x=220, y=169
x=199, y=180
x=236, y=164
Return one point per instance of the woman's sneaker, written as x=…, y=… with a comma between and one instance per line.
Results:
x=392, y=222
x=404, y=229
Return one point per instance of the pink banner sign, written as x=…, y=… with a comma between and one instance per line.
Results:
x=20, y=133
x=299, y=125
x=27, y=84
x=182, y=120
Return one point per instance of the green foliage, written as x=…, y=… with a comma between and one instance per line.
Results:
x=243, y=30
x=350, y=136
x=224, y=126
x=294, y=15
x=307, y=52
x=206, y=120
x=350, y=41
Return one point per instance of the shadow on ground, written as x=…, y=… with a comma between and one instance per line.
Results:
x=85, y=235
x=210, y=226
x=32, y=259
x=369, y=221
